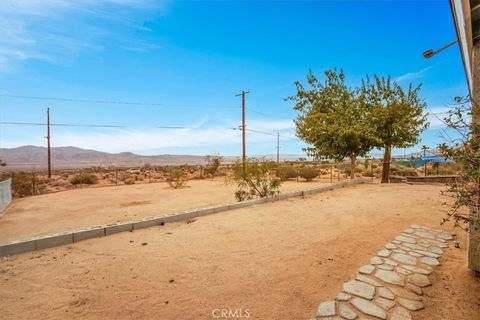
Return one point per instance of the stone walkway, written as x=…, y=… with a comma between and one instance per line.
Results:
x=390, y=287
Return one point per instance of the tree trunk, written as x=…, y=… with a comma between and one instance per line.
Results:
x=387, y=158
x=352, y=166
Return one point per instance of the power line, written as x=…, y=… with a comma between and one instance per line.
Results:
x=85, y=125
x=119, y=102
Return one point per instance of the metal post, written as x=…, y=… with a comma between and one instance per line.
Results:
x=48, y=145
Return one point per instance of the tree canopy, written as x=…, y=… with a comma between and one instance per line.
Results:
x=332, y=119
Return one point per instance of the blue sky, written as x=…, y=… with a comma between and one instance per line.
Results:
x=192, y=57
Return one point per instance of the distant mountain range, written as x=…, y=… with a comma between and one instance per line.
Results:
x=35, y=158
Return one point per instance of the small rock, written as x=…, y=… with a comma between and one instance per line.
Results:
x=401, y=314
x=420, y=280
x=403, y=258
x=360, y=289
x=369, y=308
x=408, y=230
x=410, y=304
x=326, y=308
x=396, y=242
x=437, y=250
x=400, y=251
x=384, y=253
x=366, y=269
x=415, y=246
x=385, y=267
x=384, y=303
x=391, y=277
x=456, y=243
x=346, y=312
x=144, y=243
x=386, y=293
x=415, y=226
x=430, y=261
x=342, y=296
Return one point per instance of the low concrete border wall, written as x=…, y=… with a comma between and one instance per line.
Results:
x=61, y=238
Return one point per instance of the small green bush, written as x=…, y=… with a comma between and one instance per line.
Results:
x=308, y=173
x=286, y=172
x=84, y=178
x=177, y=178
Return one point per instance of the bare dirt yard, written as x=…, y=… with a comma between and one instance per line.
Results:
x=278, y=260
x=55, y=212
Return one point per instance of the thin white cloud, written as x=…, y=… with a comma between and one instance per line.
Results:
x=412, y=75
x=58, y=30
x=144, y=139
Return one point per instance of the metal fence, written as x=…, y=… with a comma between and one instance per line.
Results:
x=5, y=193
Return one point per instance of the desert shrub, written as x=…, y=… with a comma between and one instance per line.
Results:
x=400, y=170
x=286, y=172
x=129, y=181
x=308, y=173
x=176, y=178
x=59, y=183
x=253, y=179
x=84, y=178
x=213, y=163
x=27, y=184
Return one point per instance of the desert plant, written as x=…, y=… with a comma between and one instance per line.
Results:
x=308, y=173
x=176, y=178
x=253, y=180
x=129, y=181
x=213, y=162
x=27, y=184
x=286, y=172
x=84, y=178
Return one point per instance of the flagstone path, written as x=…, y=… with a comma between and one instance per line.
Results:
x=391, y=285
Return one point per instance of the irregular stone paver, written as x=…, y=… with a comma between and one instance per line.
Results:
x=384, y=303
x=326, y=309
x=414, y=288
x=360, y=289
x=417, y=269
x=405, y=239
x=342, y=296
x=403, y=258
x=385, y=267
x=346, y=313
x=385, y=293
x=430, y=261
x=420, y=280
x=366, y=269
x=401, y=313
x=376, y=260
x=384, y=253
x=410, y=304
x=390, y=287
x=369, y=308
x=367, y=280
x=391, y=277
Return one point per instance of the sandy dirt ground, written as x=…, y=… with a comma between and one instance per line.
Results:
x=278, y=260
x=55, y=212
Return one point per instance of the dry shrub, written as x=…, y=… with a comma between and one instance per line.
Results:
x=84, y=178
x=286, y=172
x=308, y=173
x=177, y=178
x=129, y=181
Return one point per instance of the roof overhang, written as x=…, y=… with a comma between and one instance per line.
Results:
x=466, y=16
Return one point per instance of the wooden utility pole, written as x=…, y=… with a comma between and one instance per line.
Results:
x=278, y=147
x=48, y=145
x=244, y=152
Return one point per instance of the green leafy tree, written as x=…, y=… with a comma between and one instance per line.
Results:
x=332, y=119
x=254, y=180
x=396, y=115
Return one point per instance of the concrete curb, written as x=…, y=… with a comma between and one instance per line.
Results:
x=61, y=238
